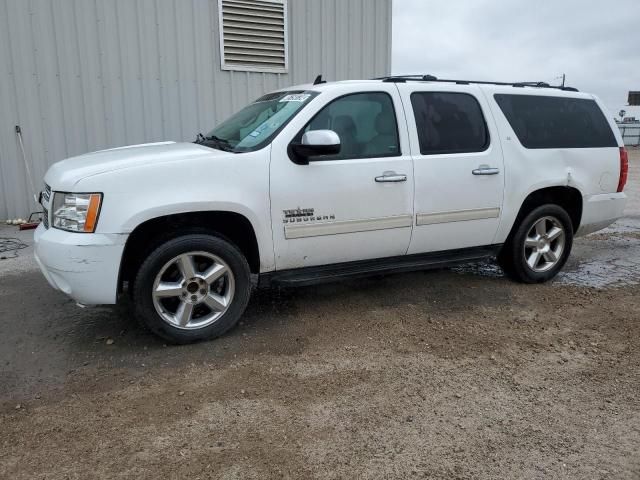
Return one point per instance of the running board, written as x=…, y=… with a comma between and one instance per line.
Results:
x=405, y=263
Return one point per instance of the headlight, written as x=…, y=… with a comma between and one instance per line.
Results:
x=76, y=212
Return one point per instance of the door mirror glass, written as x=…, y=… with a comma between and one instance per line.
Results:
x=316, y=143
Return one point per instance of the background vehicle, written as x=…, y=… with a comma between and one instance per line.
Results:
x=330, y=180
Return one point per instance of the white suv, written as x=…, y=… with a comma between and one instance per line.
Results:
x=324, y=181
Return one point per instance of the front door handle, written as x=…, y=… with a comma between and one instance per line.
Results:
x=391, y=177
x=485, y=170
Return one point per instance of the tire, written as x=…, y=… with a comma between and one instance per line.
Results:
x=539, y=247
x=191, y=288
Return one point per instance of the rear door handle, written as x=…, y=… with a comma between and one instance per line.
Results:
x=391, y=177
x=485, y=170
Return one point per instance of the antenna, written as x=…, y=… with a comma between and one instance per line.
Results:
x=319, y=80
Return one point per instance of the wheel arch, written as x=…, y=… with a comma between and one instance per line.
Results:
x=148, y=235
x=569, y=198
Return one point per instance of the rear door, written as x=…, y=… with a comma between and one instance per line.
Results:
x=458, y=166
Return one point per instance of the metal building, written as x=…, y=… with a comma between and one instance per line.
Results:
x=84, y=75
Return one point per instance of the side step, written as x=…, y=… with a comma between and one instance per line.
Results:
x=405, y=263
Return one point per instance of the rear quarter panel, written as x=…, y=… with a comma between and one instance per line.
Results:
x=592, y=171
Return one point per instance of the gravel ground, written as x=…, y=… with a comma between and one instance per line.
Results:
x=448, y=374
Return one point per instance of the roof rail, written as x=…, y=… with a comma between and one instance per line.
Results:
x=431, y=78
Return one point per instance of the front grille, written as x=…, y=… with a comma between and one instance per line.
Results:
x=45, y=217
x=46, y=195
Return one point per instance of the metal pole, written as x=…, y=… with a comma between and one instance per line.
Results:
x=26, y=164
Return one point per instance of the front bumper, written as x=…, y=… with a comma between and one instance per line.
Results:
x=600, y=211
x=85, y=266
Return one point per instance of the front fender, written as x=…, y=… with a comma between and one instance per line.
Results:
x=235, y=183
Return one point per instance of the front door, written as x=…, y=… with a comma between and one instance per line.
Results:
x=458, y=166
x=355, y=205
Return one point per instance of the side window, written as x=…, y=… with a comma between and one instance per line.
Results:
x=556, y=122
x=365, y=122
x=449, y=123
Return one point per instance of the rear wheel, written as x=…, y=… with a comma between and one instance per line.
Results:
x=194, y=287
x=540, y=246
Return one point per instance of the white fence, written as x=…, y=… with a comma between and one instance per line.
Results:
x=630, y=133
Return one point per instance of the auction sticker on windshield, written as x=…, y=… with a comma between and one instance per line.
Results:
x=296, y=97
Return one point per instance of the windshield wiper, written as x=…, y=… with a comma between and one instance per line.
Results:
x=220, y=143
x=217, y=140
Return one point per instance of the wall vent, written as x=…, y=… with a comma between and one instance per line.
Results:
x=253, y=35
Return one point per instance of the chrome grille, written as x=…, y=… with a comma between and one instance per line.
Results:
x=46, y=194
x=45, y=217
x=46, y=197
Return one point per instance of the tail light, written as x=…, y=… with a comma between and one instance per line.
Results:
x=624, y=168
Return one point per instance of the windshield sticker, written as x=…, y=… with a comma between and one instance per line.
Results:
x=259, y=130
x=296, y=97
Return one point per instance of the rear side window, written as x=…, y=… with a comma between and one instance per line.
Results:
x=556, y=122
x=449, y=123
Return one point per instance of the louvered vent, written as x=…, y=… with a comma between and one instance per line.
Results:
x=253, y=35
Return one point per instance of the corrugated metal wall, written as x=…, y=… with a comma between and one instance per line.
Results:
x=83, y=75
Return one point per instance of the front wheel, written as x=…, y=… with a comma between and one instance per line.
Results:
x=540, y=246
x=193, y=287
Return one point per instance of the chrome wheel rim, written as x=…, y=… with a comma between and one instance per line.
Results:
x=544, y=244
x=193, y=290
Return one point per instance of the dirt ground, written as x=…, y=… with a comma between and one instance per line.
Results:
x=449, y=374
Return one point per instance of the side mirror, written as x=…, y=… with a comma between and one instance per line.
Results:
x=314, y=143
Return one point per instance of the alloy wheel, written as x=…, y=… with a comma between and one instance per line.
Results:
x=193, y=290
x=544, y=244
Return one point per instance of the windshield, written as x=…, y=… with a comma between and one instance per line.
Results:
x=255, y=125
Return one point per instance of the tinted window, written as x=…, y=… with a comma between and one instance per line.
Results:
x=556, y=122
x=449, y=123
x=365, y=122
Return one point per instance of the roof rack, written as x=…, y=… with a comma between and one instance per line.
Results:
x=431, y=78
